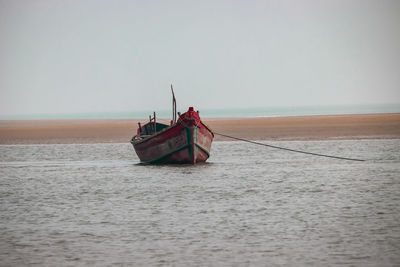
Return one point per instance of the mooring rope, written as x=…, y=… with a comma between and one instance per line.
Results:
x=288, y=149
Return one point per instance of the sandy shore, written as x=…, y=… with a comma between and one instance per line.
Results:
x=372, y=126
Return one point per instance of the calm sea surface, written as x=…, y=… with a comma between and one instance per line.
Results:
x=75, y=205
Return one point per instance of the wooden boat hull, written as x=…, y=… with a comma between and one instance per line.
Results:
x=187, y=141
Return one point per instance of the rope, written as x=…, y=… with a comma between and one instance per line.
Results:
x=288, y=149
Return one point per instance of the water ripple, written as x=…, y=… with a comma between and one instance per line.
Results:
x=78, y=205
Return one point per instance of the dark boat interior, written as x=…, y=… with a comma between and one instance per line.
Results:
x=148, y=129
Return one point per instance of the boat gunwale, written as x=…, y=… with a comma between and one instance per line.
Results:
x=149, y=137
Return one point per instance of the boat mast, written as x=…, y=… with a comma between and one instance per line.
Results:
x=173, y=105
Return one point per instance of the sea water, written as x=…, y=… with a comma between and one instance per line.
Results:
x=79, y=205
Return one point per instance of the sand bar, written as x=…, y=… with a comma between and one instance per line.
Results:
x=371, y=126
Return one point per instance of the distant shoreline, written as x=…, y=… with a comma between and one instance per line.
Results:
x=314, y=127
x=224, y=113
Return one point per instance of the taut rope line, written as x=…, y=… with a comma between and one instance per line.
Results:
x=288, y=149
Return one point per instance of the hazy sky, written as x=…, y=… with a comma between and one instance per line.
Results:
x=101, y=56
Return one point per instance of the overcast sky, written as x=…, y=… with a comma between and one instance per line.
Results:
x=102, y=56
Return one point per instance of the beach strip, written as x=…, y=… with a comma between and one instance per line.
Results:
x=326, y=127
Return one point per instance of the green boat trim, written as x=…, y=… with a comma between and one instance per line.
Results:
x=189, y=141
x=177, y=150
x=165, y=156
x=203, y=149
x=195, y=140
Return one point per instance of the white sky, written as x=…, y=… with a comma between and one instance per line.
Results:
x=100, y=56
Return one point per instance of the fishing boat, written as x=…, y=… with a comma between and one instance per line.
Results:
x=185, y=140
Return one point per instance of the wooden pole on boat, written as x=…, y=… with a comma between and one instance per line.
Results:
x=155, y=124
x=173, y=105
